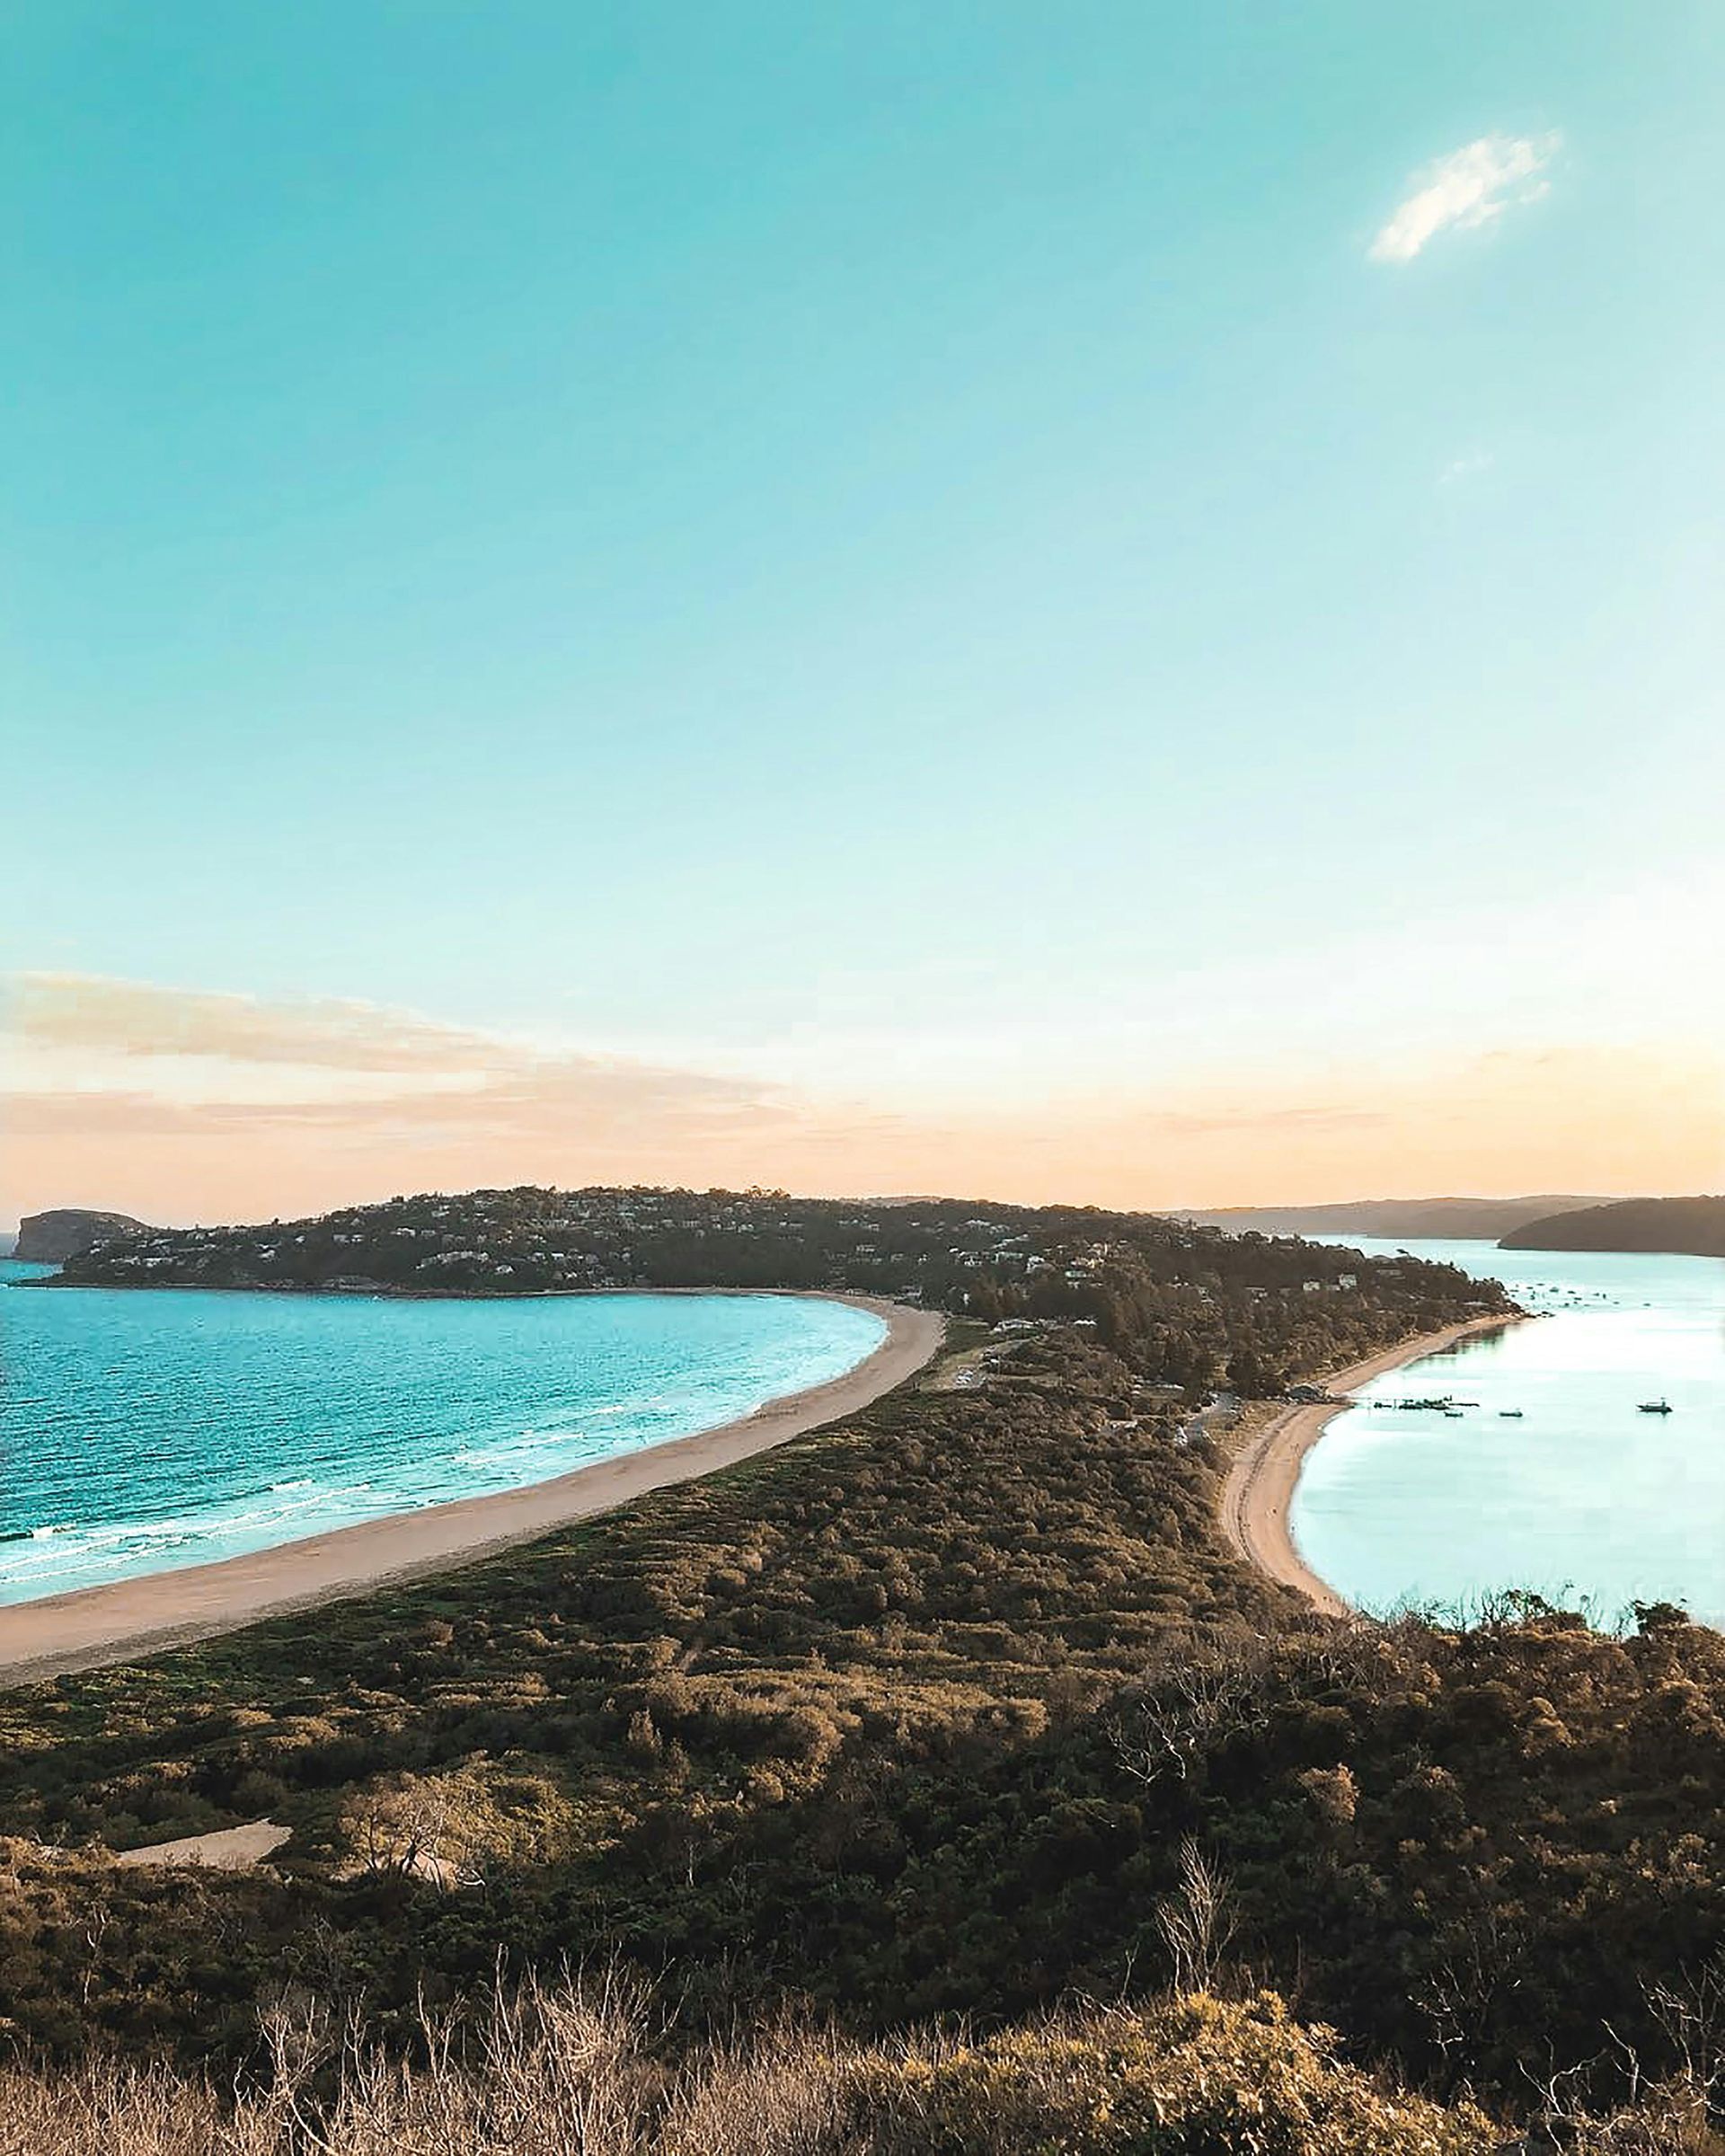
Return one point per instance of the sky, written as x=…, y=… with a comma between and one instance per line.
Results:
x=1117, y=602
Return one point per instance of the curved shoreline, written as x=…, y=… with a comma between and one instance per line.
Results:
x=89, y=1627
x=1258, y=1496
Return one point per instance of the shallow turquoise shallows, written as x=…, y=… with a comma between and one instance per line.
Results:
x=144, y=1430
x=1552, y=1477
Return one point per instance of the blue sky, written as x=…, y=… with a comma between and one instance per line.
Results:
x=939, y=559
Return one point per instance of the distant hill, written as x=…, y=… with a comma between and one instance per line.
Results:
x=8, y=1242
x=1685, y=1226
x=68, y=1232
x=1461, y=1219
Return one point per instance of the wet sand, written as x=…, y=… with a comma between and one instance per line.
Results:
x=1258, y=1494
x=94, y=1626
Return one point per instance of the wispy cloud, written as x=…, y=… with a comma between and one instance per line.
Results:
x=1460, y=469
x=1470, y=187
x=186, y=1104
x=202, y=1105
x=342, y=1070
x=131, y=1019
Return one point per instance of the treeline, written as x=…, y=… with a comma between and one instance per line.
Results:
x=917, y=1717
x=1184, y=1303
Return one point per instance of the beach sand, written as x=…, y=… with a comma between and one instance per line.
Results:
x=94, y=1626
x=227, y=1849
x=1258, y=1494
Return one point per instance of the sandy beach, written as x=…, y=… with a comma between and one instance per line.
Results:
x=96, y=1625
x=1259, y=1493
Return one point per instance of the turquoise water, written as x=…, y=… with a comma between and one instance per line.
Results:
x=1582, y=1497
x=143, y=1431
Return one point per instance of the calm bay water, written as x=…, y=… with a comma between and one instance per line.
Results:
x=1581, y=1496
x=142, y=1431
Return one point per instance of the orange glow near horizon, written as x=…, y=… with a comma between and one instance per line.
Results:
x=1581, y=1120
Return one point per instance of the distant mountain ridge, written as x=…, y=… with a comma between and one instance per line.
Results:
x=1690, y=1227
x=1458, y=1219
x=67, y=1232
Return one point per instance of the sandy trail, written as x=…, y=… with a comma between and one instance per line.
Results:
x=1259, y=1493
x=226, y=1849
x=94, y=1626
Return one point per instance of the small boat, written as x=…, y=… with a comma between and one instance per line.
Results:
x=1657, y=1407
x=1510, y=1414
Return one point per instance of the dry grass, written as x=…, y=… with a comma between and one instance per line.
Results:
x=572, y=2070
x=579, y=2069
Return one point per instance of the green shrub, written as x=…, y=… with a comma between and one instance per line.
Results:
x=1197, y=2076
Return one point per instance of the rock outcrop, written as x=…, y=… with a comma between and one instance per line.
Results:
x=68, y=1232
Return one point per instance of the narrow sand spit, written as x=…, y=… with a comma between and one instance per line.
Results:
x=1259, y=1493
x=94, y=1626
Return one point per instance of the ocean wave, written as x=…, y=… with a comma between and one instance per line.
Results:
x=207, y=1442
x=118, y=1544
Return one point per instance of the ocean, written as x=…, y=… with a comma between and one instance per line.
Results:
x=145, y=1431
x=1551, y=1479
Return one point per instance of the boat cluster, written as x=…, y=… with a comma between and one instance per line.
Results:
x=1444, y=1403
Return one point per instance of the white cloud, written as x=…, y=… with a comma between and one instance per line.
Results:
x=1463, y=468
x=1468, y=188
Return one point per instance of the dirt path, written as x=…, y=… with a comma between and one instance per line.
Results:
x=227, y=1849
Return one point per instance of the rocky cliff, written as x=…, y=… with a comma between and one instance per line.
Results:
x=68, y=1232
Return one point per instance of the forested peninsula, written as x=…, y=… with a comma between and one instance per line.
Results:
x=1195, y=1306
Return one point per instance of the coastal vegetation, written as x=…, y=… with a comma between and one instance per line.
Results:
x=913, y=1720
x=583, y=2067
x=868, y=1756
x=1678, y=1226
x=1189, y=1304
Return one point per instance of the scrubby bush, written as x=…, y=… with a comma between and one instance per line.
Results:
x=575, y=2069
x=1197, y=2076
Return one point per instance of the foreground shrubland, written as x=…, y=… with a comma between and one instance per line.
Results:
x=583, y=2070
x=560, y=2072
x=910, y=1723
